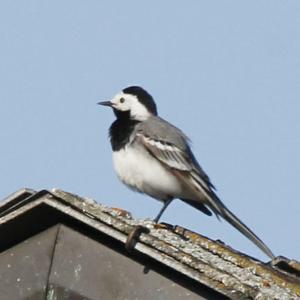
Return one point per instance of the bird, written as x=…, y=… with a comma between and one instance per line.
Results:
x=154, y=157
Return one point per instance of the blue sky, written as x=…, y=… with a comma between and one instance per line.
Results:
x=226, y=72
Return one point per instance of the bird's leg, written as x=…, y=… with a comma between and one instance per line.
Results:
x=166, y=204
x=138, y=230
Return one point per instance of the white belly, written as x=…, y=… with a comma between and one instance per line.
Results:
x=140, y=171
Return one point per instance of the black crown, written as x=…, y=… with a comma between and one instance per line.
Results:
x=143, y=96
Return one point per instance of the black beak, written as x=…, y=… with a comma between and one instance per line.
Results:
x=105, y=103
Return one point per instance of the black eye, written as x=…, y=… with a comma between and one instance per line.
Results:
x=122, y=100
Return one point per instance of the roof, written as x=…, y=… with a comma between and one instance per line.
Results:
x=208, y=262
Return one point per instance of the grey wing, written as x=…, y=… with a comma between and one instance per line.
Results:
x=170, y=146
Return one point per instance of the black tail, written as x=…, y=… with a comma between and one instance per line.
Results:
x=226, y=214
x=239, y=225
x=207, y=199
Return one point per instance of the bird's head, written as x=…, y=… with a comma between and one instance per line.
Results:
x=134, y=101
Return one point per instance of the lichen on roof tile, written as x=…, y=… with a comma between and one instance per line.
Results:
x=209, y=262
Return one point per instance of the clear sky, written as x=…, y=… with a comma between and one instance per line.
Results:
x=226, y=72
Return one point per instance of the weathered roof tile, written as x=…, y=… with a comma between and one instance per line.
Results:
x=209, y=262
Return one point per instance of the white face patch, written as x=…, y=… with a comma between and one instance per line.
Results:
x=127, y=102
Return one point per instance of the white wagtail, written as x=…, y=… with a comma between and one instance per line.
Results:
x=152, y=156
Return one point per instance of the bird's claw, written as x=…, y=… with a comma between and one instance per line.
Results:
x=163, y=226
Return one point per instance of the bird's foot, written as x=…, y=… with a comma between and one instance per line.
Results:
x=164, y=226
x=133, y=237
